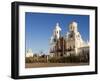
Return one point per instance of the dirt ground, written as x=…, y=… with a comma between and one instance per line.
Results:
x=35, y=65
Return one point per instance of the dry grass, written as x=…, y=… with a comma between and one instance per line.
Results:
x=35, y=65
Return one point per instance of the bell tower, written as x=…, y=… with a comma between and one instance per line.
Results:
x=54, y=38
x=57, y=31
x=71, y=39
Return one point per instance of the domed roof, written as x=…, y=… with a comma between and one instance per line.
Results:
x=74, y=24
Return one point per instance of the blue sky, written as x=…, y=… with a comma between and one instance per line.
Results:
x=39, y=28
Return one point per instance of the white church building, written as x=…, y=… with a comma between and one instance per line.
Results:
x=71, y=43
x=29, y=53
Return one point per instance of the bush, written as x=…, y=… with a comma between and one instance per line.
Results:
x=69, y=59
x=35, y=60
x=30, y=59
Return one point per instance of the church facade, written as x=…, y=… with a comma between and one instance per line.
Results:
x=70, y=44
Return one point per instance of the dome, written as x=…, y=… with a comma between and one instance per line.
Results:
x=74, y=24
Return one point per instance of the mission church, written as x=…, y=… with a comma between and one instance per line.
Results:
x=70, y=44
